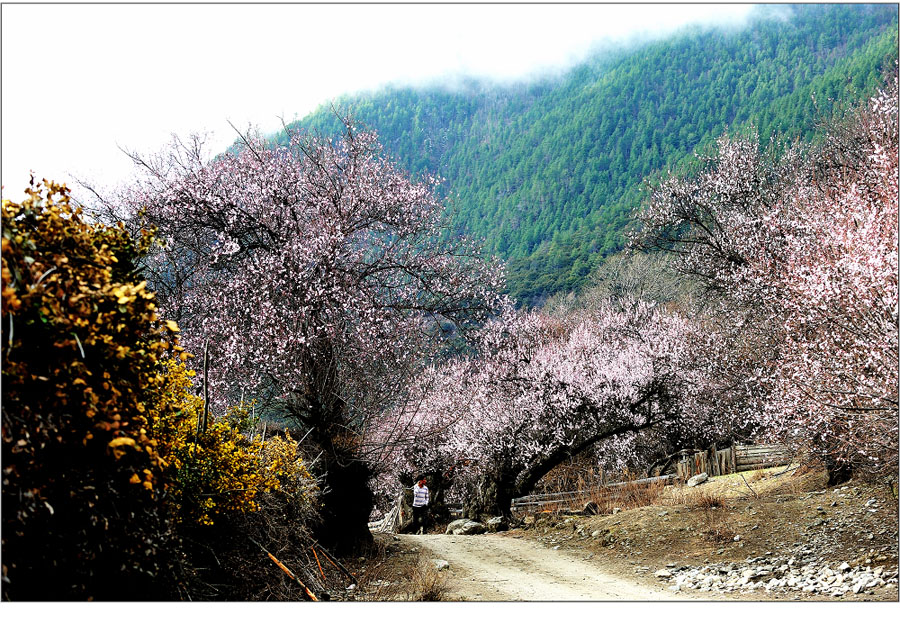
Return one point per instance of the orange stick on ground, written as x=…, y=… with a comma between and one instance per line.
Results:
x=336, y=564
x=284, y=569
x=311, y=595
x=319, y=564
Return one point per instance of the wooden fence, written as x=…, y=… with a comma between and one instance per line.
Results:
x=556, y=498
x=714, y=462
x=736, y=458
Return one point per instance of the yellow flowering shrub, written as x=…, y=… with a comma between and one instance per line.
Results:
x=81, y=347
x=215, y=473
x=221, y=472
x=283, y=462
x=101, y=458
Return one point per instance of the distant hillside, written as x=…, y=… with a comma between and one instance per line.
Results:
x=547, y=173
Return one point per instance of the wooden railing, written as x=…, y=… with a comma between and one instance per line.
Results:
x=736, y=458
x=575, y=496
x=714, y=462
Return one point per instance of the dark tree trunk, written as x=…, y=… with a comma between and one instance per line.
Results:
x=492, y=497
x=837, y=470
x=346, y=499
x=347, y=502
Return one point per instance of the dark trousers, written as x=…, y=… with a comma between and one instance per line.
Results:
x=420, y=518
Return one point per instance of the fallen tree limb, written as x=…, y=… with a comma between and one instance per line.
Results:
x=285, y=569
x=322, y=572
x=336, y=564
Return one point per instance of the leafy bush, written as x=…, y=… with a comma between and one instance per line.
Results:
x=209, y=473
x=104, y=469
x=219, y=472
x=81, y=350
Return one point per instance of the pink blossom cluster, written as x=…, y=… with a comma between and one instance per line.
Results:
x=801, y=250
x=541, y=388
x=318, y=271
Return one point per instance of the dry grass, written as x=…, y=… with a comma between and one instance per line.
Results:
x=712, y=504
x=681, y=496
x=719, y=533
x=757, y=475
x=578, y=475
x=427, y=584
x=629, y=496
x=705, y=499
x=421, y=582
x=389, y=578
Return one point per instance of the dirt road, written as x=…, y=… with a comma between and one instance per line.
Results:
x=500, y=568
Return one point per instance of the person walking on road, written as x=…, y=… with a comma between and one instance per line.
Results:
x=420, y=506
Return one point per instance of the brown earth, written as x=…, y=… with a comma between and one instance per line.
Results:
x=772, y=513
x=729, y=519
x=500, y=567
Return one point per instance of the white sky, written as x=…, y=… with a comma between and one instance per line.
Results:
x=78, y=81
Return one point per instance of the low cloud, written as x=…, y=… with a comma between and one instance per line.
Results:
x=134, y=74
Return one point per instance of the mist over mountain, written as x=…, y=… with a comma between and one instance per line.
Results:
x=547, y=171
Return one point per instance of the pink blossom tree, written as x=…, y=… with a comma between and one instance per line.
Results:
x=319, y=274
x=543, y=388
x=801, y=251
x=837, y=282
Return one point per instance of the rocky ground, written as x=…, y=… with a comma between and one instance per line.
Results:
x=769, y=535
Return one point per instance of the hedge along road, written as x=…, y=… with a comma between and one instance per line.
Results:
x=497, y=568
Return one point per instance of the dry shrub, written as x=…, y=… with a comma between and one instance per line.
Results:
x=574, y=475
x=717, y=529
x=629, y=496
x=715, y=523
x=428, y=584
x=704, y=499
x=694, y=498
x=579, y=481
x=392, y=580
x=719, y=532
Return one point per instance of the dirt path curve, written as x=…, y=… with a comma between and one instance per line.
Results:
x=499, y=568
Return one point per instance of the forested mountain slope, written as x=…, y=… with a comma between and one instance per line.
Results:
x=547, y=172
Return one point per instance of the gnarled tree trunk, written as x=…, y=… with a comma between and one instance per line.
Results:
x=491, y=497
x=347, y=502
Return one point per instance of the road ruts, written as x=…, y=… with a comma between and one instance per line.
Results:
x=499, y=568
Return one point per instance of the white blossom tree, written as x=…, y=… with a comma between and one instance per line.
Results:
x=543, y=388
x=320, y=277
x=801, y=251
